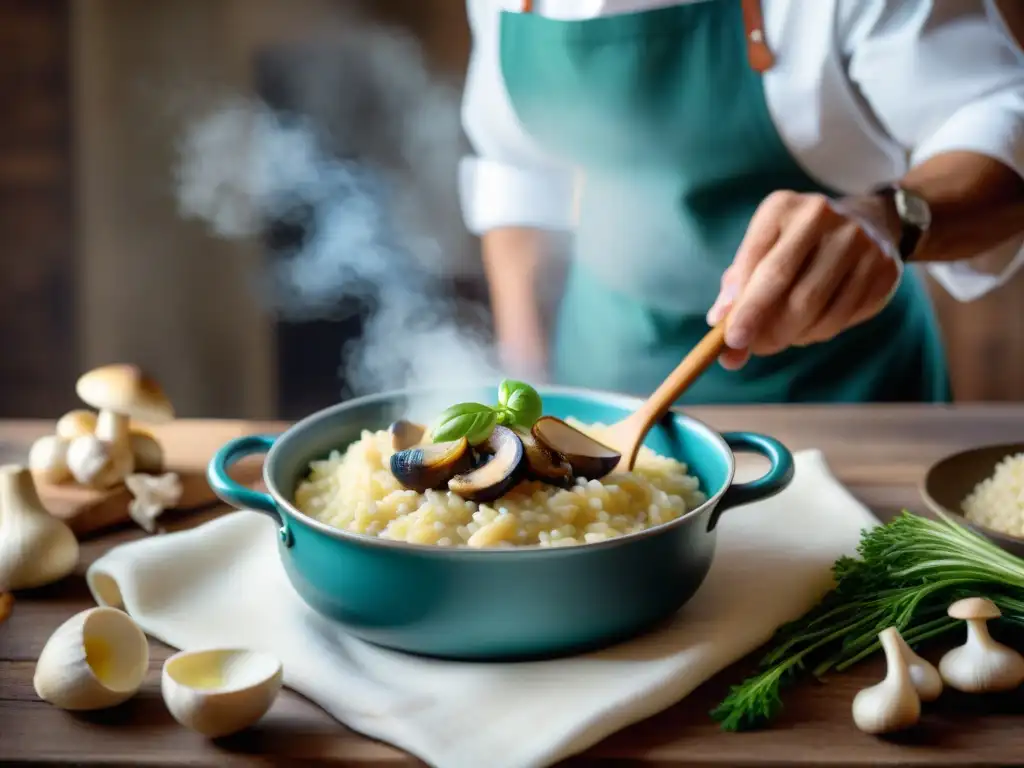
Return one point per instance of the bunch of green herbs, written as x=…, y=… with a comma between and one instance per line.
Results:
x=907, y=574
x=519, y=405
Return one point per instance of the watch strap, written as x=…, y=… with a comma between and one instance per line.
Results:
x=910, y=233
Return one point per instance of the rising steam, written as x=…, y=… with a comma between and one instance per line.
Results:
x=365, y=163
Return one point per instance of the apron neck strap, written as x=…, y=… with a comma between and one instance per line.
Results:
x=758, y=53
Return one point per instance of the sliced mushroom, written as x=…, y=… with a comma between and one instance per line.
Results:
x=587, y=457
x=502, y=470
x=431, y=466
x=543, y=464
x=406, y=434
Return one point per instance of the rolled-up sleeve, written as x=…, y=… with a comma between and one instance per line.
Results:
x=943, y=76
x=509, y=181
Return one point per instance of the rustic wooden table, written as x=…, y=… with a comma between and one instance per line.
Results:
x=880, y=453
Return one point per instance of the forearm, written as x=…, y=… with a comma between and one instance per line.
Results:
x=513, y=261
x=977, y=204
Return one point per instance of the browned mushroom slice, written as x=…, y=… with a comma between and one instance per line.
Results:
x=587, y=457
x=431, y=466
x=503, y=469
x=543, y=464
x=405, y=434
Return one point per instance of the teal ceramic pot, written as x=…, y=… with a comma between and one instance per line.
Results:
x=496, y=604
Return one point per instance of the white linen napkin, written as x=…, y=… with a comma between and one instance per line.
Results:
x=222, y=584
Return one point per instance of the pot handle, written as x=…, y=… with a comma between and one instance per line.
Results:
x=776, y=479
x=231, y=492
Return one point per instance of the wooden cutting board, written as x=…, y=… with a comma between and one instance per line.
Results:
x=188, y=447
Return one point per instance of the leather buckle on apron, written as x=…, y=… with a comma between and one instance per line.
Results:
x=759, y=54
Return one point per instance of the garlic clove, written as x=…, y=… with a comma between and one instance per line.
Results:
x=96, y=659
x=893, y=704
x=218, y=692
x=76, y=423
x=48, y=459
x=36, y=548
x=923, y=674
x=148, y=453
x=98, y=464
x=981, y=664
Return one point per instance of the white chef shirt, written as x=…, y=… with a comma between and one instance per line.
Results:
x=861, y=91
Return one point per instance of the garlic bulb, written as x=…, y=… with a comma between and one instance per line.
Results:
x=48, y=459
x=219, y=692
x=923, y=674
x=96, y=659
x=36, y=548
x=981, y=665
x=892, y=704
x=76, y=423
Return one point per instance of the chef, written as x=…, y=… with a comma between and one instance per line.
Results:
x=780, y=165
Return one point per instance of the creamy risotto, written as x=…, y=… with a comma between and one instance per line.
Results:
x=998, y=501
x=356, y=491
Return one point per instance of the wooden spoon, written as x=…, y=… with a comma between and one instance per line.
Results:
x=625, y=437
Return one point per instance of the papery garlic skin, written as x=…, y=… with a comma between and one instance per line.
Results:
x=893, y=704
x=982, y=665
x=923, y=674
x=96, y=659
x=153, y=495
x=98, y=464
x=36, y=548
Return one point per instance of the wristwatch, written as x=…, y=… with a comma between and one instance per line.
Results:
x=915, y=216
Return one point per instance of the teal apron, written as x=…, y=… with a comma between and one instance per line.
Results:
x=668, y=122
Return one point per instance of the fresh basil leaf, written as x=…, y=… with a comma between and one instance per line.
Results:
x=522, y=400
x=473, y=421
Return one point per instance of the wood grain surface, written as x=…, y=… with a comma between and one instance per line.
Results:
x=880, y=453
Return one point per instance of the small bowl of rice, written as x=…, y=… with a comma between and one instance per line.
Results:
x=984, y=487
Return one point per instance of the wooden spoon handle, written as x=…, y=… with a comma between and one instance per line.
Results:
x=699, y=359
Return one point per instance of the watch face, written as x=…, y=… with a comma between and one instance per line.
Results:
x=913, y=209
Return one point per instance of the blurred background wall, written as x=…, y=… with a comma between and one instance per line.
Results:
x=99, y=265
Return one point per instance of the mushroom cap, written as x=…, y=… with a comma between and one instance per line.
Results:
x=127, y=390
x=974, y=608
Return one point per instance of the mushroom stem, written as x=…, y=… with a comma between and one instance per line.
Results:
x=112, y=427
